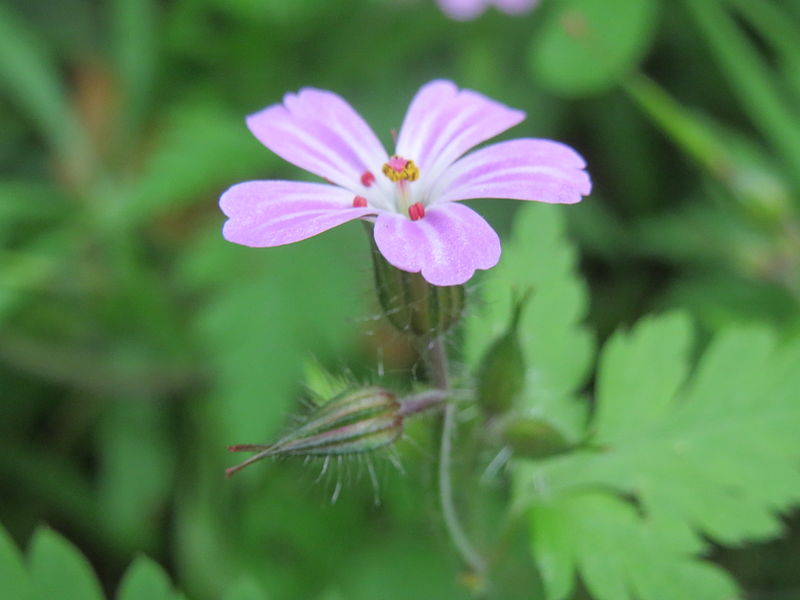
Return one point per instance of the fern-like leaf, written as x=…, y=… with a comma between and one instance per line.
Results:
x=676, y=458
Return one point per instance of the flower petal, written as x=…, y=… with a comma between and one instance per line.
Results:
x=273, y=213
x=447, y=245
x=525, y=169
x=462, y=10
x=443, y=122
x=321, y=133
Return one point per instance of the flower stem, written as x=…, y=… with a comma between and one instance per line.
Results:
x=437, y=365
x=418, y=403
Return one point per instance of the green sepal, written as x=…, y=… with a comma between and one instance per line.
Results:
x=412, y=304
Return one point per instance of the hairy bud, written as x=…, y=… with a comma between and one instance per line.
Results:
x=355, y=421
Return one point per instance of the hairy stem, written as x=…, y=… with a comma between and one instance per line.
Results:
x=418, y=403
x=436, y=355
x=437, y=365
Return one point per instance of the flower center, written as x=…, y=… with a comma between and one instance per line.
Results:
x=400, y=169
x=402, y=172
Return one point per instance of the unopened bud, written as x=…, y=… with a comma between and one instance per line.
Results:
x=412, y=304
x=533, y=438
x=354, y=421
x=502, y=371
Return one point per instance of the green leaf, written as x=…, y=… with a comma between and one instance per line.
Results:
x=136, y=59
x=584, y=46
x=738, y=162
x=381, y=570
x=278, y=11
x=14, y=581
x=650, y=362
x=24, y=272
x=706, y=234
x=136, y=472
x=203, y=555
x=619, y=555
x=27, y=269
x=38, y=472
x=145, y=580
x=266, y=315
x=552, y=546
x=203, y=149
x=321, y=383
x=720, y=300
x=779, y=29
x=59, y=570
x=690, y=132
x=751, y=78
x=557, y=348
x=24, y=201
x=245, y=589
x=29, y=75
x=713, y=455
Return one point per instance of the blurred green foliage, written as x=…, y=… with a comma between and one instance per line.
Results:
x=135, y=344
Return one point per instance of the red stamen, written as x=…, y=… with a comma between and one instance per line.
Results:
x=359, y=202
x=367, y=178
x=416, y=211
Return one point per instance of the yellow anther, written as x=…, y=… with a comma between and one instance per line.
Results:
x=400, y=169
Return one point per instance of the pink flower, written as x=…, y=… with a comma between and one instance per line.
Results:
x=413, y=195
x=463, y=10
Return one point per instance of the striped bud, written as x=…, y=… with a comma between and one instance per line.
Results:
x=533, y=438
x=502, y=371
x=412, y=304
x=355, y=421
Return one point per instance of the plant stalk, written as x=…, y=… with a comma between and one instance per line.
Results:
x=437, y=365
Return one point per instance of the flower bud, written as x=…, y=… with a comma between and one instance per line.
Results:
x=412, y=304
x=533, y=438
x=354, y=421
x=502, y=371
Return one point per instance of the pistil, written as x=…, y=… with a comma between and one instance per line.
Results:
x=401, y=172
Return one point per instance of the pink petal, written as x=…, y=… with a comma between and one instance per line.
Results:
x=447, y=245
x=443, y=122
x=273, y=213
x=462, y=10
x=525, y=169
x=321, y=133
